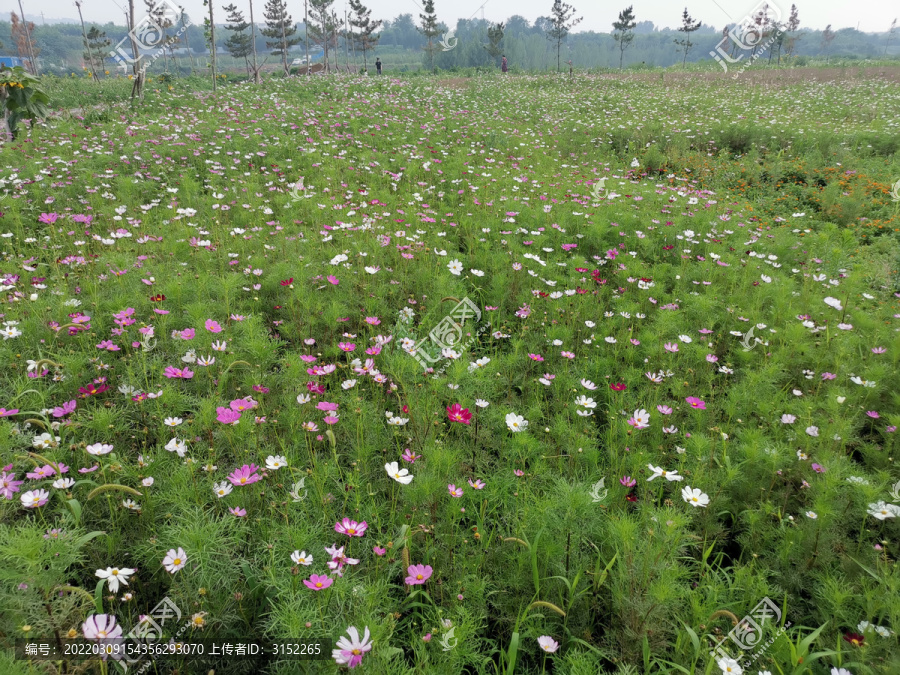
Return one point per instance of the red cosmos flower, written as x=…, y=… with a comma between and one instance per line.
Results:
x=159, y=297
x=457, y=413
x=668, y=248
x=405, y=409
x=618, y=386
x=855, y=639
x=287, y=282
x=631, y=497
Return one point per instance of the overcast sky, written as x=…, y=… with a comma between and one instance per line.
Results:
x=868, y=15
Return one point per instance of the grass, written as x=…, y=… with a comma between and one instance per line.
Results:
x=727, y=205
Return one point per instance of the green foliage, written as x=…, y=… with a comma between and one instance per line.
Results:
x=21, y=98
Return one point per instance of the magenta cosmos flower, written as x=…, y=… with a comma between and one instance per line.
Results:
x=695, y=403
x=101, y=627
x=9, y=485
x=418, y=574
x=351, y=528
x=245, y=475
x=318, y=582
x=456, y=413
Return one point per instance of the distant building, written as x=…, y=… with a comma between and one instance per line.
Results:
x=12, y=61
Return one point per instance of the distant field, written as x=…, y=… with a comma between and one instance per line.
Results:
x=514, y=374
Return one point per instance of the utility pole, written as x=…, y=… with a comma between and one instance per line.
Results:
x=34, y=66
x=346, y=40
x=87, y=45
x=212, y=45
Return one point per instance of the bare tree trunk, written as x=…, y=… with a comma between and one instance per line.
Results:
x=212, y=45
x=34, y=66
x=137, y=88
x=186, y=43
x=253, y=38
x=306, y=32
x=87, y=45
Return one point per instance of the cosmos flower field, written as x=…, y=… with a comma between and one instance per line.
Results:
x=460, y=375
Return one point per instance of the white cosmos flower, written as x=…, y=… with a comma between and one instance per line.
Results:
x=455, y=267
x=882, y=511
x=301, y=558
x=402, y=476
x=834, y=302
x=114, y=576
x=172, y=421
x=659, y=472
x=516, y=422
x=175, y=559
x=99, y=449
x=694, y=496
x=275, y=462
x=348, y=384
x=176, y=445
x=63, y=483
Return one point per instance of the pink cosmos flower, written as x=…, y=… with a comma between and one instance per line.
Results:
x=9, y=485
x=351, y=528
x=6, y=413
x=478, y=484
x=373, y=320
x=874, y=415
x=237, y=511
x=227, y=415
x=350, y=652
x=519, y=472
x=712, y=358
x=346, y=346
x=331, y=419
x=456, y=413
x=409, y=456
x=245, y=475
x=671, y=347
x=64, y=409
x=41, y=472
x=377, y=550
x=628, y=481
x=878, y=350
x=327, y=406
x=454, y=491
x=213, y=326
x=241, y=404
x=333, y=279
x=535, y=357
x=695, y=403
x=828, y=376
x=175, y=373
x=664, y=409
x=318, y=582
x=418, y=574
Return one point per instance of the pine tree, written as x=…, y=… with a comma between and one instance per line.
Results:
x=624, y=31
x=364, y=37
x=688, y=26
x=495, y=37
x=97, y=44
x=281, y=28
x=429, y=29
x=561, y=22
x=238, y=43
x=793, y=23
x=161, y=18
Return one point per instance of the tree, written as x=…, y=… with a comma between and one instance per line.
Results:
x=238, y=43
x=162, y=19
x=209, y=23
x=495, y=37
x=624, y=31
x=21, y=32
x=87, y=45
x=253, y=44
x=793, y=23
x=561, y=22
x=281, y=29
x=890, y=38
x=688, y=26
x=97, y=45
x=827, y=39
x=323, y=26
x=364, y=36
x=429, y=29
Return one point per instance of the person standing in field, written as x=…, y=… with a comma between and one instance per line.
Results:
x=503, y=66
x=378, y=65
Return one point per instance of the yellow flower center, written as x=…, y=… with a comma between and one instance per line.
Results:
x=177, y=561
x=419, y=577
x=318, y=584
x=356, y=652
x=351, y=531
